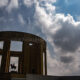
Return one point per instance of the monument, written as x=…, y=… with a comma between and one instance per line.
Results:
x=31, y=60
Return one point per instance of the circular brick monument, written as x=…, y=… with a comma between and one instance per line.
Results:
x=29, y=59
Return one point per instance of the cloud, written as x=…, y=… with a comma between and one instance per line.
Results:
x=63, y=30
x=58, y=68
x=62, y=33
x=20, y=17
x=66, y=59
x=67, y=37
x=29, y=3
x=13, y=4
x=61, y=65
x=50, y=7
x=48, y=1
x=3, y=3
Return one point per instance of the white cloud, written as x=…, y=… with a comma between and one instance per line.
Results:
x=70, y=30
x=20, y=17
x=49, y=1
x=13, y=4
x=50, y=7
x=53, y=24
x=42, y=17
x=29, y=3
x=3, y=3
x=57, y=68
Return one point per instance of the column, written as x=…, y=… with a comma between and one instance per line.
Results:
x=41, y=54
x=6, y=57
x=45, y=62
x=26, y=57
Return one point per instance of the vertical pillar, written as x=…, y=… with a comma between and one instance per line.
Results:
x=45, y=62
x=41, y=54
x=6, y=57
x=26, y=57
x=20, y=64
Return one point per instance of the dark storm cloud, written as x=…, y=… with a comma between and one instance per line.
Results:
x=66, y=59
x=68, y=37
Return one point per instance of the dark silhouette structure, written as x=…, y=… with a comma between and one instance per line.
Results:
x=30, y=58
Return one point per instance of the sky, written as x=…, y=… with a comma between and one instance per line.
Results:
x=56, y=21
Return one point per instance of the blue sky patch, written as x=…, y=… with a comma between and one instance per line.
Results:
x=68, y=7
